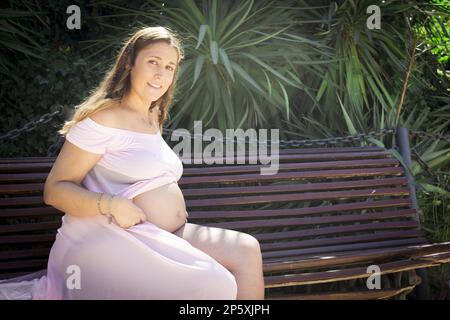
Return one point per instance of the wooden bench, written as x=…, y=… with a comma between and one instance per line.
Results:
x=322, y=220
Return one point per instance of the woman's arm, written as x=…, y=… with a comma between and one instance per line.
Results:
x=70, y=198
x=63, y=188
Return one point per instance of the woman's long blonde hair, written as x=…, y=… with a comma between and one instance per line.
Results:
x=116, y=82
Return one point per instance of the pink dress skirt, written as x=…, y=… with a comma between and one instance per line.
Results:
x=92, y=259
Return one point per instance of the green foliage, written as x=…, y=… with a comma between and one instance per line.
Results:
x=63, y=78
x=52, y=69
x=435, y=220
x=435, y=32
x=16, y=36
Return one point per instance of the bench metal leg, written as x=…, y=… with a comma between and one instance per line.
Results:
x=422, y=290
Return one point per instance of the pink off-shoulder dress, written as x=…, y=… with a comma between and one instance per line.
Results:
x=92, y=259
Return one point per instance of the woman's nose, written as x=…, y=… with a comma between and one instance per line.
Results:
x=158, y=74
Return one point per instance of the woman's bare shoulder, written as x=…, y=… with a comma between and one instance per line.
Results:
x=107, y=117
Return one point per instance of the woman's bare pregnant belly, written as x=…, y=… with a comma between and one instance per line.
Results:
x=164, y=206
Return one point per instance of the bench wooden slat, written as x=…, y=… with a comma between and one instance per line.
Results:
x=292, y=166
x=320, y=174
x=30, y=212
x=22, y=188
x=326, y=156
x=34, y=226
x=22, y=264
x=440, y=257
x=343, y=247
x=284, y=157
x=29, y=238
x=25, y=167
x=313, y=220
x=340, y=275
x=8, y=275
x=340, y=240
x=337, y=230
x=324, y=174
x=348, y=295
x=22, y=201
x=31, y=253
x=303, y=150
x=25, y=188
x=277, y=188
x=309, y=196
x=299, y=212
x=27, y=160
x=23, y=177
x=351, y=257
x=46, y=166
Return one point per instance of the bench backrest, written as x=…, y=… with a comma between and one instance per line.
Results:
x=322, y=201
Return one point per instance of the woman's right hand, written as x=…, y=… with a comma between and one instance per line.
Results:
x=126, y=213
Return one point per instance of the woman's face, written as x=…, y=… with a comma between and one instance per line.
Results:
x=153, y=71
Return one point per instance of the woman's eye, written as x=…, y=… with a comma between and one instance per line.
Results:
x=169, y=68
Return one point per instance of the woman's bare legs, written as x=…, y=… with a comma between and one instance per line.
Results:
x=239, y=252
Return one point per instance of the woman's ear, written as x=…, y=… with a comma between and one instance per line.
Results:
x=128, y=64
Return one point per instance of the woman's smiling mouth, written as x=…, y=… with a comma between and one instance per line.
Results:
x=154, y=85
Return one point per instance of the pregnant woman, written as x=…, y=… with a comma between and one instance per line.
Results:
x=125, y=233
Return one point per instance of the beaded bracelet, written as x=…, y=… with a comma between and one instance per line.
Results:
x=110, y=216
x=107, y=214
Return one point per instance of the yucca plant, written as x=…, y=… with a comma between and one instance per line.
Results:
x=240, y=66
x=369, y=86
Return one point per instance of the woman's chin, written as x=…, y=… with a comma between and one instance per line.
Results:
x=152, y=97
